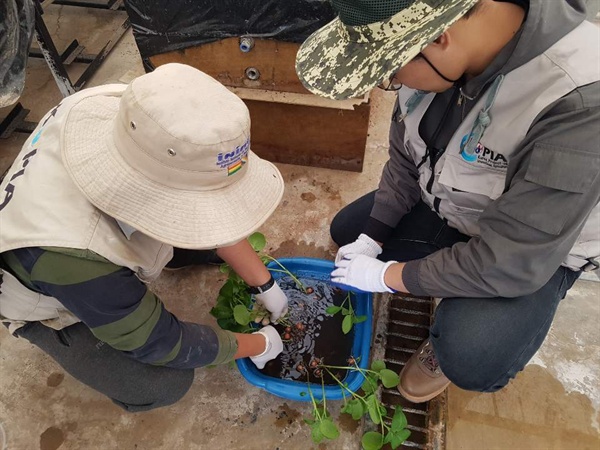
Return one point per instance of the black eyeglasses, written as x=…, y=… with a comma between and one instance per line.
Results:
x=388, y=85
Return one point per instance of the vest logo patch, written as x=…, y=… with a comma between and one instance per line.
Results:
x=483, y=156
x=10, y=187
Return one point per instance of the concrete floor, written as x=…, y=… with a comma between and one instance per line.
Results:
x=553, y=404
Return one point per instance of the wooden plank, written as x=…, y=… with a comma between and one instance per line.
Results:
x=310, y=136
x=223, y=60
x=298, y=99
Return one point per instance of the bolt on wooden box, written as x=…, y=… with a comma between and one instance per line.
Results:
x=289, y=124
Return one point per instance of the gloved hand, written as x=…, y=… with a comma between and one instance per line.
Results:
x=273, y=348
x=362, y=272
x=274, y=300
x=364, y=245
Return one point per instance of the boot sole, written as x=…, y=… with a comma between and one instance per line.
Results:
x=423, y=399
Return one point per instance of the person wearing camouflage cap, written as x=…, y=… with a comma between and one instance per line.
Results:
x=490, y=197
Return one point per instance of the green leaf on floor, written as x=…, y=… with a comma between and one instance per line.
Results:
x=389, y=378
x=372, y=440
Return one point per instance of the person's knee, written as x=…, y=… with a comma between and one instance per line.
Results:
x=350, y=221
x=467, y=355
x=172, y=388
x=468, y=366
x=338, y=229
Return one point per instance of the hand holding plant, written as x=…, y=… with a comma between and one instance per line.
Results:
x=235, y=311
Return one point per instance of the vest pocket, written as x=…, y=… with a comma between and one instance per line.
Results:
x=562, y=168
x=463, y=178
x=548, y=196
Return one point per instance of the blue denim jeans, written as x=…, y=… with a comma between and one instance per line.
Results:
x=480, y=343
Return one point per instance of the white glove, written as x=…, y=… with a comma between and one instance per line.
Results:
x=364, y=245
x=362, y=272
x=273, y=348
x=274, y=300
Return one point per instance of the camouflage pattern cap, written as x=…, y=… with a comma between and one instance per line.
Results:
x=370, y=40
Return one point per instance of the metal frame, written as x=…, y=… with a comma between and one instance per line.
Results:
x=15, y=121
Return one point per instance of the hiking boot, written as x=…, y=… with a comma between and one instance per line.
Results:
x=421, y=379
x=183, y=258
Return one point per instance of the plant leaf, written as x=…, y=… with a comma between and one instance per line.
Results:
x=355, y=408
x=347, y=408
x=257, y=241
x=399, y=438
x=329, y=429
x=387, y=439
x=333, y=310
x=228, y=289
x=359, y=410
x=245, y=297
x=359, y=319
x=399, y=421
x=372, y=440
x=347, y=324
x=241, y=315
x=316, y=434
x=370, y=384
x=225, y=268
x=377, y=365
x=373, y=407
x=345, y=311
x=389, y=378
x=231, y=325
x=221, y=312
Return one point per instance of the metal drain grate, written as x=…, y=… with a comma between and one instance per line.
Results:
x=408, y=322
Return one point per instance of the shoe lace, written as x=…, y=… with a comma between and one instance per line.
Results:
x=428, y=359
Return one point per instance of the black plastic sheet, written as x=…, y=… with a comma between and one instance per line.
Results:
x=16, y=30
x=165, y=25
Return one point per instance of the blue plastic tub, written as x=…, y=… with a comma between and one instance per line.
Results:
x=316, y=269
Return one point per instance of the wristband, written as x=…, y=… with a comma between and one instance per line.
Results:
x=262, y=288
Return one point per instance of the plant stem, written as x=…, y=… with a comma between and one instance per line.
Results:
x=315, y=406
x=298, y=282
x=324, y=396
x=362, y=371
x=354, y=394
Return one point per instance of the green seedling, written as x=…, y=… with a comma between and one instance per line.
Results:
x=350, y=317
x=359, y=405
x=235, y=311
x=321, y=425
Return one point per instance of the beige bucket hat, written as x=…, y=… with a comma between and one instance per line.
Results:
x=171, y=157
x=369, y=41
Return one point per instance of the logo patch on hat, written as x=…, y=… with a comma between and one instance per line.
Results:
x=236, y=166
x=234, y=160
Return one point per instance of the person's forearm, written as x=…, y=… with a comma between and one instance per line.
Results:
x=393, y=277
x=245, y=262
x=250, y=345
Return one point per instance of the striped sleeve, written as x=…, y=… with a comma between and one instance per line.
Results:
x=119, y=309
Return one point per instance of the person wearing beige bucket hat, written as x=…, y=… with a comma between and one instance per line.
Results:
x=110, y=182
x=490, y=198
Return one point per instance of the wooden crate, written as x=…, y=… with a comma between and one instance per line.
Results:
x=289, y=124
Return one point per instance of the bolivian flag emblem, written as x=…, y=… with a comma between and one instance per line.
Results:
x=236, y=166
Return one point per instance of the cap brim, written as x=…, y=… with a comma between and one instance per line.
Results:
x=331, y=65
x=186, y=219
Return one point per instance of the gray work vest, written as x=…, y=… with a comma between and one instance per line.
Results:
x=471, y=173
x=41, y=207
